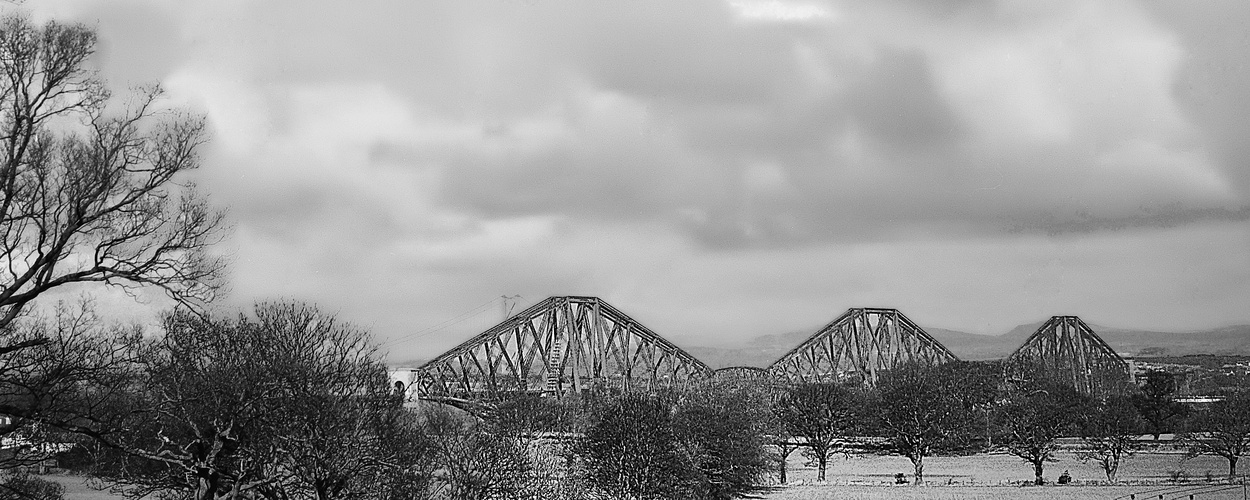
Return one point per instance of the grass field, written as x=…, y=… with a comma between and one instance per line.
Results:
x=843, y=492
x=998, y=476
x=985, y=476
x=997, y=469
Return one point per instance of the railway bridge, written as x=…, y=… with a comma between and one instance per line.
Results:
x=571, y=344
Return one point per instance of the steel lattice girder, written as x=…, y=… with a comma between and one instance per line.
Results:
x=1065, y=347
x=861, y=342
x=559, y=345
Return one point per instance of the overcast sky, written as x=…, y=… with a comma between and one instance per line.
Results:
x=716, y=169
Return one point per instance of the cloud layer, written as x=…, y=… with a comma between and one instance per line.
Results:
x=728, y=168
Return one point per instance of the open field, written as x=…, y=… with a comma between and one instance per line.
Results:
x=985, y=476
x=997, y=476
x=996, y=469
x=843, y=492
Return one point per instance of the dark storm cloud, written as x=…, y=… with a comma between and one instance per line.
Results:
x=1150, y=217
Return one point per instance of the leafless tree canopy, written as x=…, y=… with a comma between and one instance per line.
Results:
x=61, y=384
x=89, y=193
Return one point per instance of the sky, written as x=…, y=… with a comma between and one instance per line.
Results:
x=718, y=170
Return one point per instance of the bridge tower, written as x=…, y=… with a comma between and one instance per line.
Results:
x=861, y=343
x=1066, y=348
x=557, y=346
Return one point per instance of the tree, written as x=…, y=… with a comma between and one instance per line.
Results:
x=707, y=442
x=820, y=415
x=474, y=461
x=631, y=449
x=927, y=410
x=1155, y=405
x=1223, y=430
x=89, y=194
x=1109, y=433
x=1034, y=417
x=55, y=387
x=19, y=485
x=197, y=418
x=337, y=407
x=525, y=414
x=288, y=403
x=721, y=428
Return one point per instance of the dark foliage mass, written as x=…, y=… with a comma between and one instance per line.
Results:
x=18, y=485
x=1153, y=401
x=708, y=443
x=286, y=403
x=631, y=447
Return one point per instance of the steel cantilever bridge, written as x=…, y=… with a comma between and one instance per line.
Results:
x=560, y=345
x=571, y=344
x=861, y=343
x=1067, y=349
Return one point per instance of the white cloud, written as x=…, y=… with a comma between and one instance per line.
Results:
x=780, y=11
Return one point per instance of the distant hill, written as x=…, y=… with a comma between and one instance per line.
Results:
x=1231, y=340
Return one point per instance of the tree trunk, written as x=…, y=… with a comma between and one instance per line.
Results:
x=1232, y=466
x=785, y=453
x=822, y=461
x=207, y=487
x=1110, y=465
x=1037, y=472
x=917, y=464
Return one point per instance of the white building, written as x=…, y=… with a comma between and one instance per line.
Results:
x=405, y=380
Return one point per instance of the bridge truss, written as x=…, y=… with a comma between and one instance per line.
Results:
x=860, y=343
x=560, y=345
x=1066, y=348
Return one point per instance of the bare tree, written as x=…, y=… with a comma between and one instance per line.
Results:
x=335, y=403
x=1223, y=430
x=928, y=410
x=1109, y=433
x=289, y=403
x=474, y=461
x=198, y=420
x=821, y=416
x=52, y=389
x=89, y=193
x=1035, y=417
